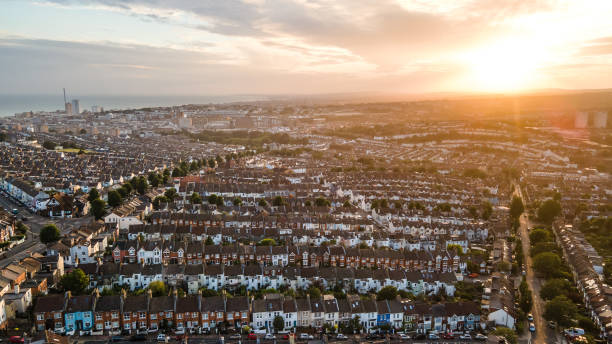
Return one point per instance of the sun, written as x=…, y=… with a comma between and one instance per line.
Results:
x=503, y=66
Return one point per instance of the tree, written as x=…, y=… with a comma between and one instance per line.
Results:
x=114, y=198
x=154, y=179
x=278, y=201
x=322, y=202
x=98, y=208
x=122, y=192
x=140, y=184
x=262, y=203
x=158, y=288
x=555, y=287
x=49, y=233
x=547, y=263
x=195, y=198
x=50, y=145
x=507, y=333
x=539, y=235
x=171, y=194
x=209, y=241
x=314, y=292
x=278, y=323
x=549, y=210
x=387, y=293
x=267, y=242
x=211, y=163
x=473, y=211
x=159, y=200
x=237, y=201
x=75, y=281
x=487, y=210
x=560, y=309
x=346, y=204
x=93, y=195
x=516, y=207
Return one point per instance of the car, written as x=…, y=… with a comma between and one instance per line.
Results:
x=530, y=317
x=139, y=337
x=404, y=336
x=269, y=336
x=16, y=340
x=252, y=336
x=161, y=337
x=552, y=324
x=465, y=336
x=340, y=336
x=235, y=336
x=305, y=336
x=15, y=211
x=473, y=275
x=70, y=333
x=179, y=331
x=116, y=339
x=480, y=336
x=286, y=336
x=448, y=336
x=433, y=336
x=532, y=327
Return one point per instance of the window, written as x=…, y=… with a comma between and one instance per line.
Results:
x=98, y=316
x=179, y=315
x=58, y=315
x=126, y=316
x=204, y=316
x=40, y=316
x=115, y=315
x=220, y=315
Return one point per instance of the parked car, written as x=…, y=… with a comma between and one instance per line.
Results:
x=16, y=340
x=235, y=336
x=465, y=336
x=139, y=337
x=448, y=336
x=340, y=336
x=531, y=327
x=161, y=337
x=480, y=336
x=252, y=336
x=530, y=317
x=552, y=324
x=404, y=336
x=306, y=336
x=420, y=336
x=269, y=336
x=433, y=336
x=179, y=331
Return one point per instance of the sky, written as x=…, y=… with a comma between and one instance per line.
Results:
x=222, y=47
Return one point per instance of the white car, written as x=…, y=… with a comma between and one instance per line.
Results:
x=340, y=336
x=306, y=336
x=161, y=337
x=269, y=336
x=480, y=336
x=465, y=336
x=530, y=317
x=433, y=336
x=404, y=336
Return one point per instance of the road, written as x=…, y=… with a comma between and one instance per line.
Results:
x=543, y=334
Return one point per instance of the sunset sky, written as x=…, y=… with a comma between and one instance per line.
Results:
x=300, y=46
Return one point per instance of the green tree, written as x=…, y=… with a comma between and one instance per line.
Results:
x=158, y=288
x=76, y=281
x=387, y=293
x=114, y=198
x=171, y=194
x=195, y=198
x=560, y=309
x=548, y=211
x=262, y=203
x=278, y=201
x=211, y=163
x=539, y=235
x=93, y=195
x=516, y=207
x=507, y=333
x=50, y=145
x=209, y=241
x=487, y=210
x=555, y=287
x=49, y=233
x=98, y=208
x=322, y=202
x=547, y=263
x=314, y=292
x=267, y=242
x=159, y=200
x=140, y=185
x=237, y=201
x=154, y=179
x=122, y=192
x=278, y=323
x=208, y=292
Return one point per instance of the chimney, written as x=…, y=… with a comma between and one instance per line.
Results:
x=16, y=288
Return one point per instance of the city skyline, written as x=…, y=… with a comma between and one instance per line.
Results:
x=257, y=47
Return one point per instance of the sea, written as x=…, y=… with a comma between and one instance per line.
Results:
x=12, y=104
